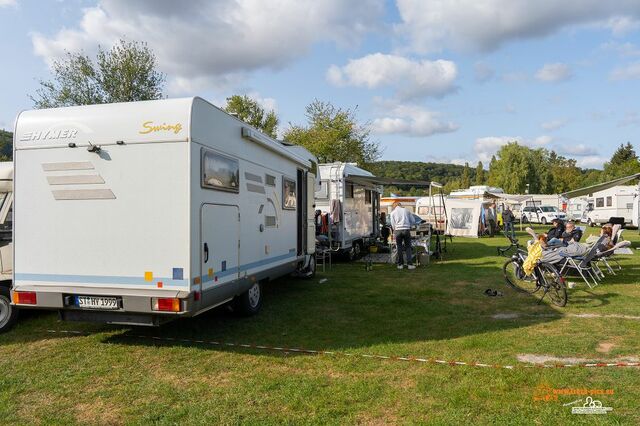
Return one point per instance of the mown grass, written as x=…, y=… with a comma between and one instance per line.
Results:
x=108, y=375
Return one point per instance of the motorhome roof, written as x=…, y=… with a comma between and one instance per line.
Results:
x=164, y=120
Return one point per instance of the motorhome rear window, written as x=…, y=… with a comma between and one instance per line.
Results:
x=220, y=172
x=367, y=196
x=599, y=202
x=349, y=191
x=609, y=201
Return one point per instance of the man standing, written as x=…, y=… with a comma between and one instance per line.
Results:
x=401, y=222
x=507, y=219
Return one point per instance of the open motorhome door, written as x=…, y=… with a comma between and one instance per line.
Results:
x=311, y=210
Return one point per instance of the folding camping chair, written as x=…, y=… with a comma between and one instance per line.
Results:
x=583, y=265
x=608, y=255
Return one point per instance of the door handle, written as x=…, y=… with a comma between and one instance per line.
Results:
x=206, y=253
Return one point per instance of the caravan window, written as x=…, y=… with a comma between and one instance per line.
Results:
x=220, y=172
x=599, y=202
x=609, y=201
x=288, y=194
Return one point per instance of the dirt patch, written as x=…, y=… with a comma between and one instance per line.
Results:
x=605, y=347
x=541, y=359
x=505, y=315
x=98, y=412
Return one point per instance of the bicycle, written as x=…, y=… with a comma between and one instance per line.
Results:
x=544, y=277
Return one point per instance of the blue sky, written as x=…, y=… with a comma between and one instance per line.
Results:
x=437, y=80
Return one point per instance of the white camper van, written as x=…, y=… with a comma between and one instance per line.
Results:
x=136, y=213
x=348, y=199
x=617, y=201
x=8, y=313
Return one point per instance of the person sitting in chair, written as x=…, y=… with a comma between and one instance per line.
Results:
x=571, y=233
x=554, y=235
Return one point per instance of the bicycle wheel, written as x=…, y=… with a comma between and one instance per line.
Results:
x=553, y=283
x=516, y=278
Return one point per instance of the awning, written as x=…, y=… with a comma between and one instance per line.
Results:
x=512, y=197
x=600, y=187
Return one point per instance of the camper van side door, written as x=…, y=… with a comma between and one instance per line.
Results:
x=220, y=236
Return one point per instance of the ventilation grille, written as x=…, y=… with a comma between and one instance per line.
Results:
x=270, y=180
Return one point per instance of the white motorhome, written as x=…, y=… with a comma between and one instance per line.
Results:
x=137, y=213
x=8, y=313
x=617, y=201
x=348, y=198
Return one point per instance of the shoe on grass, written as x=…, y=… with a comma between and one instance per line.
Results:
x=411, y=267
x=399, y=266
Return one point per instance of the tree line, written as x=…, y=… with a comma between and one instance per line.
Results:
x=128, y=72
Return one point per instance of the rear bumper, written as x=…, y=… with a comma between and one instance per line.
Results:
x=134, y=303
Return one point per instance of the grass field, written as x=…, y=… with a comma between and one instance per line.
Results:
x=109, y=375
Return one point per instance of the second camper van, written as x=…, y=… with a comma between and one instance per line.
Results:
x=138, y=213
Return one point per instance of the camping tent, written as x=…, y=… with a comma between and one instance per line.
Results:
x=464, y=217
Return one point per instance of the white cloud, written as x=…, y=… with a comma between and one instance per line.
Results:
x=212, y=41
x=622, y=25
x=554, y=124
x=411, y=79
x=486, y=147
x=630, y=72
x=483, y=72
x=8, y=3
x=591, y=162
x=623, y=49
x=577, y=150
x=485, y=25
x=412, y=120
x=554, y=72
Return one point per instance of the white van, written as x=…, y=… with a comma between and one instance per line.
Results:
x=137, y=213
x=542, y=214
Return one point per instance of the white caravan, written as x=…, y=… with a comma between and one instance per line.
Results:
x=137, y=213
x=349, y=200
x=432, y=210
x=617, y=201
x=8, y=313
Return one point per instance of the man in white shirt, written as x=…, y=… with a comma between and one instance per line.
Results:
x=401, y=222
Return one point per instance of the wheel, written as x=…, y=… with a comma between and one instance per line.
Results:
x=555, y=284
x=525, y=219
x=8, y=313
x=249, y=302
x=543, y=220
x=515, y=277
x=590, y=223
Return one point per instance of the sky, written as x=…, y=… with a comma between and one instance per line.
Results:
x=435, y=80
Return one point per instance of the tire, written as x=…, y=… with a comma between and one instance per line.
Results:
x=557, y=290
x=525, y=219
x=249, y=302
x=8, y=313
x=514, y=276
x=543, y=220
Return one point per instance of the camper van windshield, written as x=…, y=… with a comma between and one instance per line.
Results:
x=548, y=209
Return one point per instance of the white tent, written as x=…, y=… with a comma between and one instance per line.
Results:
x=464, y=217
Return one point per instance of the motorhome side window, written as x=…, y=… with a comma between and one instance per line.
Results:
x=288, y=194
x=609, y=201
x=367, y=196
x=220, y=172
x=599, y=202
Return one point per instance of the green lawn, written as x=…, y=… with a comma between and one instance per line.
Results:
x=108, y=375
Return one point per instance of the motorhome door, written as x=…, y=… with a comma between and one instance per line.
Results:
x=311, y=211
x=220, y=244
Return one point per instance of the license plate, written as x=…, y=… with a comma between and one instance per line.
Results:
x=91, y=302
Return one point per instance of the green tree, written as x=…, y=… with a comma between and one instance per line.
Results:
x=624, y=162
x=250, y=111
x=480, y=174
x=513, y=169
x=466, y=176
x=6, y=145
x=334, y=134
x=125, y=73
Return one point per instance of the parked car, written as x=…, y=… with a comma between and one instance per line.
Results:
x=542, y=214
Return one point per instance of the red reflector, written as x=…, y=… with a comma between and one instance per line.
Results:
x=196, y=296
x=24, y=297
x=167, y=304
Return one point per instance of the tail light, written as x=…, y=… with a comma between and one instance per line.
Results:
x=166, y=304
x=25, y=298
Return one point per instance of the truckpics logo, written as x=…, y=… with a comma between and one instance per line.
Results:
x=49, y=135
x=150, y=127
